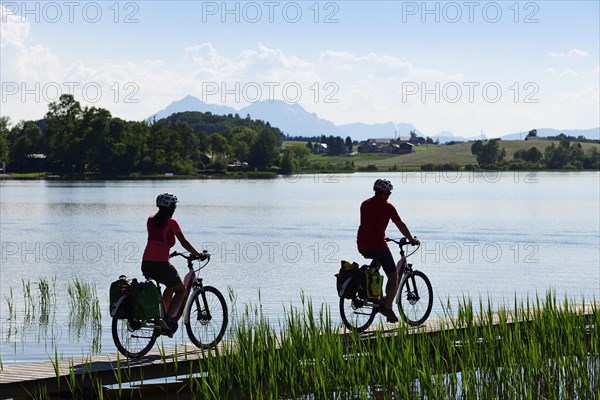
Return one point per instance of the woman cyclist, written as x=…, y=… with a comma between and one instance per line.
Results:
x=162, y=231
x=375, y=214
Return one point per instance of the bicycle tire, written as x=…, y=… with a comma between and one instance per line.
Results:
x=206, y=329
x=415, y=307
x=356, y=315
x=134, y=338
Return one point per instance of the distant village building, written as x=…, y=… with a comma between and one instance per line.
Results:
x=387, y=146
x=320, y=148
x=405, y=148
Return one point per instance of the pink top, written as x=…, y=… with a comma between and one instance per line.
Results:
x=160, y=240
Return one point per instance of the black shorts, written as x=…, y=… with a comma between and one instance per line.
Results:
x=161, y=271
x=384, y=256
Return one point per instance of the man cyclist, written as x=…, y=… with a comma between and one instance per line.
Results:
x=162, y=231
x=375, y=214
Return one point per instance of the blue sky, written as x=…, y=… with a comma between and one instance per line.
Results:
x=467, y=67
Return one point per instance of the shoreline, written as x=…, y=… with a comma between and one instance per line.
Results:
x=259, y=175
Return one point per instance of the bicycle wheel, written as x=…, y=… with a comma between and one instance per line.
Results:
x=133, y=338
x=415, y=298
x=356, y=314
x=207, y=317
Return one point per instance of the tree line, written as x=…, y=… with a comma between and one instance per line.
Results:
x=567, y=154
x=72, y=139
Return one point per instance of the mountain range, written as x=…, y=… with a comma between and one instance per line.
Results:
x=294, y=120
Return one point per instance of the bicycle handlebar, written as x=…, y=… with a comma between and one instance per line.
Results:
x=402, y=242
x=191, y=257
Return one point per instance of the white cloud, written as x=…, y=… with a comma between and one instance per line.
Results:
x=573, y=53
x=37, y=64
x=368, y=87
x=556, y=74
x=14, y=29
x=383, y=65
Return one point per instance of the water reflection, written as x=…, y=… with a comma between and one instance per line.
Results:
x=483, y=235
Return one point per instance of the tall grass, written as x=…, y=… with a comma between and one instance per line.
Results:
x=543, y=348
x=10, y=305
x=85, y=311
x=47, y=298
x=28, y=301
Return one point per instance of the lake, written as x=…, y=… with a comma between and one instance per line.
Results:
x=496, y=235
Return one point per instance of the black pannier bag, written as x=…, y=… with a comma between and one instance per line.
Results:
x=350, y=279
x=117, y=289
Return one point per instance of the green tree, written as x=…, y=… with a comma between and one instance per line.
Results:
x=62, y=129
x=532, y=155
x=300, y=153
x=218, y=144
x=488, y=154
x=264, y=153
x=155, y=158
x=348, y=143
x=335, y=145
x=98, y=141
x=26, y=139
x=592, y=159
x=556, y=157
x=289, y=164
x=203, y=145
x=4, y=131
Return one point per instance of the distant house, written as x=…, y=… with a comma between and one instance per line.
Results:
x=375, y=146
x=418, y=140
x=320, y=148
x=404, y=148
x=385, y=146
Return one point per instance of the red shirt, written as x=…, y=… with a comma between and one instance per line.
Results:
x=160, y=239
x=375, y=214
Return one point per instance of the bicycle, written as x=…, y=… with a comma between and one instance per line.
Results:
x=414, y=297
x=204, y=315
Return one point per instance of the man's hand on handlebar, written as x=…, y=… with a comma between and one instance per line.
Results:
x=404, y=241
x=202, y=256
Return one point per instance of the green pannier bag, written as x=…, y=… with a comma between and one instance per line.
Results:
x=145, y=300
x=374, y=283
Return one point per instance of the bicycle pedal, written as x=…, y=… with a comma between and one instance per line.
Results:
x=163, y=325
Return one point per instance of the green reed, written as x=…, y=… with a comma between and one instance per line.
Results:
x=47, y=298
x=47, y=291
x=85, y=311
x=28, y=300
x=542, y=348
x=83, y=300
x=10, y=305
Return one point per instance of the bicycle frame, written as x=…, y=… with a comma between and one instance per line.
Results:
x=404, y=271
x=190, y=281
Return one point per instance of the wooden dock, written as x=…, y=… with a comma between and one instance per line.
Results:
x=93, y=372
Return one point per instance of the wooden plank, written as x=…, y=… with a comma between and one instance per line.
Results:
x=25, y=380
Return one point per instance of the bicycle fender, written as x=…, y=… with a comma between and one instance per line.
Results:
x=117, y=304
x=401, y=266
x=188, y=304
x=343, y=289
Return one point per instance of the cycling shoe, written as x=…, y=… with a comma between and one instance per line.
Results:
x=389, y=313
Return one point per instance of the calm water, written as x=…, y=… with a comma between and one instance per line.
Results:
x=496, y=236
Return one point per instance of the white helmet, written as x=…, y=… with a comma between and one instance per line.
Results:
x=383, y=184
x=166, y=200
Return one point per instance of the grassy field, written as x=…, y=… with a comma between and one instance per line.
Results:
x=459, y=154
